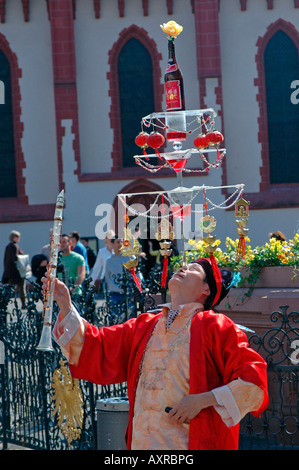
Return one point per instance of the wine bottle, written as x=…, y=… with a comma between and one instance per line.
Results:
x=174, y=96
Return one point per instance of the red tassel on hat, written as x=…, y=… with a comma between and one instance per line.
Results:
x=217, y=277
x=216, y=274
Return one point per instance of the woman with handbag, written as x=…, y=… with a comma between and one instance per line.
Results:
x=11, y=274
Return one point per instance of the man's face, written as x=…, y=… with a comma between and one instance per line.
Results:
x=191, y=282
x=73, y=241
x=117, y=245
x=109, y=244
x=64, y=243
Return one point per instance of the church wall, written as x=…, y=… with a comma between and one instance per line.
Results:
x=87, y=149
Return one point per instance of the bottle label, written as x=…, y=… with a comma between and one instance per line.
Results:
x=171, y=68
x=173, y=95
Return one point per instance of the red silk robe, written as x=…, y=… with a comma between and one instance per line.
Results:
x=219, y=353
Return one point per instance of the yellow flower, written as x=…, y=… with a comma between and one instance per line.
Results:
x=199, y=244
x=172, y=28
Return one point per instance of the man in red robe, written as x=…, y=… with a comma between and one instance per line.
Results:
x=187, y=358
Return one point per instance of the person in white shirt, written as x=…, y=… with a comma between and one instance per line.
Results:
x=99, y=268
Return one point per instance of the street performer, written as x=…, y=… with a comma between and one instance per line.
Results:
x=187, y=359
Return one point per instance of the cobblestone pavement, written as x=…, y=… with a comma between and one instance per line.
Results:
x=13, y=447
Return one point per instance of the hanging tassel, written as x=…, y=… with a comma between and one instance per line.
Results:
x=144, y=153
x=157, y=153
x=136, y=280
x=164, y=272
x=242, y=211
x=241, y=248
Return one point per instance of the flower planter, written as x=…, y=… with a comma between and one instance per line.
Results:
x=275, y=277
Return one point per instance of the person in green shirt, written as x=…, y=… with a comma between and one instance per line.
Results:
x=73, y=264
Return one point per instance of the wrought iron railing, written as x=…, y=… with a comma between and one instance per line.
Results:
x=278, y=427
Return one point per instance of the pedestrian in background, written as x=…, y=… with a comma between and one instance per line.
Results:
x=73, y=264
x=11, y=274
x=91, y=257
x=78, y=247
x=99, y=268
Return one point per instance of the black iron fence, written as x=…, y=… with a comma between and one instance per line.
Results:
x=278, y=427
x=26, y=398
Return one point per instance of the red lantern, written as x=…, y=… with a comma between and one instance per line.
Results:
x=155, y=140
x=141, y=140
x=201, y=142
x=214, y=138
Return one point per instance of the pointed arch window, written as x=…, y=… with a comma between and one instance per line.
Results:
x=135, y=89
x=281, y=69
x=136, y=94
x=8, y=182
x=278, y=121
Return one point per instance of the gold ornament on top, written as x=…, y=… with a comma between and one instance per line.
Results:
x=130, y=247
x=207, y=225
x=67, y=397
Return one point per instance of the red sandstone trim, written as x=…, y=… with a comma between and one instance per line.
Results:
x=25, y=5
x=121, y=8
x=243, y=4
x=169, y=4
x=97, y=8
x=13, y=210
x=61, y=15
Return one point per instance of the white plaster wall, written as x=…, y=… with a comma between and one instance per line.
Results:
x=31, y=42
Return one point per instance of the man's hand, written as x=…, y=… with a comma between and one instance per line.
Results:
x=61, y=295
x=191, y=405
